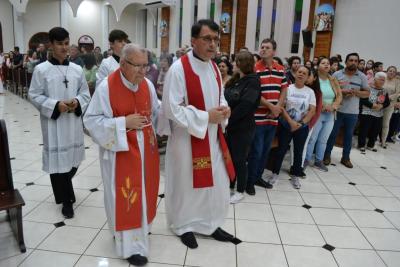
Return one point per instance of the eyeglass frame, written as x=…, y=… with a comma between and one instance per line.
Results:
x=145, y=67
x=209, y=40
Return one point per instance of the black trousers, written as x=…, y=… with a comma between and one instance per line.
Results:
x=62, y=186
x=239, y=143
x=394, y=125
x=370, y=126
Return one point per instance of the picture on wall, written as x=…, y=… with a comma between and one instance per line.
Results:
x=225, y=22
x=324, y=18
x=163, y=28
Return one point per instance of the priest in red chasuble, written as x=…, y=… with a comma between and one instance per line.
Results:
x=198, y=165
x=120, y=119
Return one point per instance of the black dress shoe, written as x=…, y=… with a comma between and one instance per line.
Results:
x=189, y=240
x=221, y=235
x=137, y=260
x=263, y=184
x=302, y=174
x=67, y=211
x=250, y=190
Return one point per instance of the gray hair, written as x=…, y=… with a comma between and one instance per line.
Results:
x=380, y=74
x=130, y=49
x=74, y=46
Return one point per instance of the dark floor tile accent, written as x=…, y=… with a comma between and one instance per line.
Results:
x=161, y=195
x=363, y=153
x=149, y=233
x=35, y=115
x=383, y=167
x=333, y=164
x=29, y=184
x=236, y=241
x=328, y=247
x=59, y=224
x=12, y=158
x=86, y=147
x=352, y=183
x=379, y=210
x=26, y=131
x=94, y=190
x=15, y=121
x=40, y=144
x=306, y=206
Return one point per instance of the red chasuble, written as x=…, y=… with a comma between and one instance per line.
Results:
x=201, y=156
x=128, y=166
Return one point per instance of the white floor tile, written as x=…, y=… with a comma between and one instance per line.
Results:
x=253, y=211
x=8, y=245
x=300, y=234
x=46, y=212
x=103, y=245
x=320, y=200
x=394, y=218
x=15, y=260
x=88, y=217
x=391, y=258
x=354, y=202
x=27, y=176
x=36, y=192
x=365, y=218
x=69, y=239
x=160, y=226
x=285, y=198
x=331, y=217
x=344, y=237
x=383, y=239
x=374, y=191
x=167, y=249
x=95, y=199
x=357, y=258
x=257, y=231
x=309, y=256
x=385, y=203
x=343, y=189
x=291, y=214
x=50, y=259
x=89, y=261
x=34, y=233
x=257, y=255
x=310, y=187
x=212, y=253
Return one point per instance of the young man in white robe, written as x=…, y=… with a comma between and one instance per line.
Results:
x=60, y=92
x=197, y=160
x=118, y=39
x=120, y=119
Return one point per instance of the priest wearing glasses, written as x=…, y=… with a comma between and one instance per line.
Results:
x=60, y=92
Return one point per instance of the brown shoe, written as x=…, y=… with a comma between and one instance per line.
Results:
x=327, y=161
x=347, y=163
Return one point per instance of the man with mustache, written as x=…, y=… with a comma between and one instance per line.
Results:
x=197, y=161
x=60, y=92
x=354, y=85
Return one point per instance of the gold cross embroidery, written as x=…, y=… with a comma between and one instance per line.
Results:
x=128, y=194
x=201, y=163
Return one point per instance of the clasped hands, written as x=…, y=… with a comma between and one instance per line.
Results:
x=219, y=114
x=68, y=105
x=136, y=122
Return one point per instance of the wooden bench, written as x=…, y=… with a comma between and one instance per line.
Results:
x=10, y=198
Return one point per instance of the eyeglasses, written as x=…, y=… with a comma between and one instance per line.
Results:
x=145, y=67
x=208, y=39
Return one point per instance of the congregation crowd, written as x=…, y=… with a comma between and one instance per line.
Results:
x=265, y=106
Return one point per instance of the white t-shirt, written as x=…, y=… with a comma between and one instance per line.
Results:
x=298, y=101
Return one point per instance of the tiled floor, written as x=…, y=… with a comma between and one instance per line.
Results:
x=281, y=227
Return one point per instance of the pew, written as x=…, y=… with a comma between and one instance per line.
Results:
x=10, y=198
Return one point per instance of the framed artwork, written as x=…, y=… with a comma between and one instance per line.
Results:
x=324, y=18
x=225, y=22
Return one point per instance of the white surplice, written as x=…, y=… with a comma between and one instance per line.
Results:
x=200, y=210
x=107, y=66
x=63, y=144
x=110, y=134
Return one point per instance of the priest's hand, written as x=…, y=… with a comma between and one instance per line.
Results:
x=216, y=115
x=63, y=107
x=72, y=104
x=135, y=121
x=226, y=111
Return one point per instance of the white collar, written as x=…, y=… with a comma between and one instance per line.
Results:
x=128, y=84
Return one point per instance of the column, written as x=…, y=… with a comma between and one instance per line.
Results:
x=187, y=21
x=203, y=9
x=150, y=23
x=174, y=27
x=251, y=26
x=284, y=27
x=105, y=27
x=304, y=23
x=19, y=30
x=64, y=12
x=218, y=8
x=233, y=26
x=266, y=19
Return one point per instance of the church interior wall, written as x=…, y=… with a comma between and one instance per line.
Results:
x=127, y=22
x=366, y=27
x=6, y=20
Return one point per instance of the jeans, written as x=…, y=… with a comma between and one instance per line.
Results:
x=239, y=143
x=285, y=135
x=349, y=121
x=370, y=126
x=394, y=125
x=264, y=135
x=319, y=137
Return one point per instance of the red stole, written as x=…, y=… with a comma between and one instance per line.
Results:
x=201, y=156
x=128, y=166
